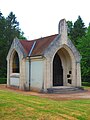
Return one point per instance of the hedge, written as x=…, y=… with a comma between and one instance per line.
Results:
x=3, y=80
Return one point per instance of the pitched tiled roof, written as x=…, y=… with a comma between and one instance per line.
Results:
x=40, y=46
x=27, y=45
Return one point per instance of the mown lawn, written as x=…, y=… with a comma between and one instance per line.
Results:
x=86, y=85
x=16, y=106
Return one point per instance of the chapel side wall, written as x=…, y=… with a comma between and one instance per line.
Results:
x=37, y=75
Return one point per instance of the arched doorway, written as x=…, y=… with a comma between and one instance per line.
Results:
x=57, y=71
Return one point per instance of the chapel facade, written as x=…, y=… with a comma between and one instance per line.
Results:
x=43, y=63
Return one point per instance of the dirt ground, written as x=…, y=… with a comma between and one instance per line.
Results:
x=82, y=95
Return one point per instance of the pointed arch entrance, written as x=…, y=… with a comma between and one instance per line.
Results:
x=62, y=72
x=57, y=71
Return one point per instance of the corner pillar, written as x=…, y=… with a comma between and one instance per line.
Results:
x=78, y=74
x=8, y=72
x=22, y=75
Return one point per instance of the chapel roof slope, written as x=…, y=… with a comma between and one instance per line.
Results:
x=27, y=45
x=40, y=45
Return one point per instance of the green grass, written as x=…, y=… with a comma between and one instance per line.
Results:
x=87, y=84
x=16, y=106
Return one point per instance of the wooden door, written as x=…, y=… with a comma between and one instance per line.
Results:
x=57, y=71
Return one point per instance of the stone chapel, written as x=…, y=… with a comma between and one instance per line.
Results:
x=48, y=62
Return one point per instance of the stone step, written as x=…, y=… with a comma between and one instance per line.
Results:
x=65, y=90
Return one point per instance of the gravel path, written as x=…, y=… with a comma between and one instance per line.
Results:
x=82, y=95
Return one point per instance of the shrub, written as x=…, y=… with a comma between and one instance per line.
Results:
x=3, y=80
x=86, y=84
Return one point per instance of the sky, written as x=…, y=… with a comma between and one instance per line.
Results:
x=40, y=18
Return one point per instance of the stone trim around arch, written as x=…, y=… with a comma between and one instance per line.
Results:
x=10, y=60
x=20, y=77
x=57, y=44
x=75, y=66
x=15, y=63
x=16, y=45
x=68, y=63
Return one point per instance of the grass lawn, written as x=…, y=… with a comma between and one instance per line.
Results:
x=16, y=106
x=86, y=85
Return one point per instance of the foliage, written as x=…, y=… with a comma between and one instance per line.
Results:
x=9, y=29
x=86, y=84
x=70, y=27
x=84, y=48
x=3, y=80
x=80, y=36
x=12, y=28
x=77, y=30
x=25, y=107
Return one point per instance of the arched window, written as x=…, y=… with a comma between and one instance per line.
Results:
x=15, y=63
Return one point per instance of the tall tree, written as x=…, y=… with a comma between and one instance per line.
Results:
x=70, y=27
x=2, y=25
x=9, y=29
x=78, y=30
x=2, y=44
x=84, y=48
x=80, y=35
x=12, y=28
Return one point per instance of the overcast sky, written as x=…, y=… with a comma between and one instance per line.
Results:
x=39, y=18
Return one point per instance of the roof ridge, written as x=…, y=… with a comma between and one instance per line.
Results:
x=39, y=38
x=45, y=37
x=40, y=46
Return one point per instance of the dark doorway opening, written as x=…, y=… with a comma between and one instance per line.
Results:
x=57, y=71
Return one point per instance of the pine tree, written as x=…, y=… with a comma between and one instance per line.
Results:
x=12, y=28
x=9, y=29
x=78, y=30
x=70, y=27
x=84, y=48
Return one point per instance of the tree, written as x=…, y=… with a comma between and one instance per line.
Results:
x=12, y=28
x=9, y=29
x=78, y=30
x=80, y=36
x=2, y=44
x=2, y=25
x=70, y=27
x=84, y=48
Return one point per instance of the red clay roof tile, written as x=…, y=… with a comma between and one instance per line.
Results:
x=40, y=46
x=27, y=45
